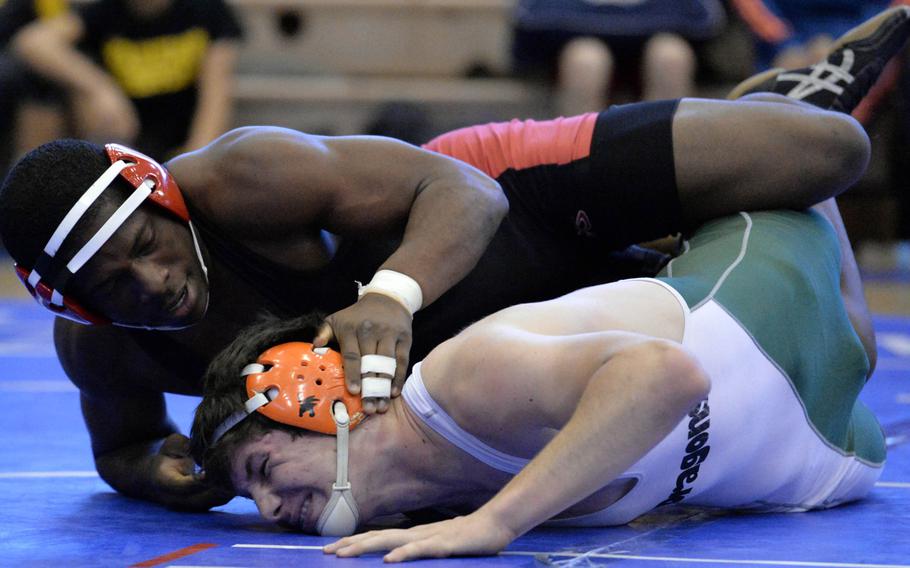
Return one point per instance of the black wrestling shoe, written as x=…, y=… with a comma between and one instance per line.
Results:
x=842, y=79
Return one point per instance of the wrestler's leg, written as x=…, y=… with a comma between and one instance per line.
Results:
x=638, y=172
x=757, y=154
x=830, y=148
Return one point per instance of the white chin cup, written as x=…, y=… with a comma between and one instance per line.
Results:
x=340, y=517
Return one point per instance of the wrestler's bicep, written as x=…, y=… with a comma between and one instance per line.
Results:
x=381, y=178
x=275, y=180
x=261, y=178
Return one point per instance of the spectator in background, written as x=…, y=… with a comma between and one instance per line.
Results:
x=152, y=73
x=584, y=42
x=29, y=106
x=796, y=33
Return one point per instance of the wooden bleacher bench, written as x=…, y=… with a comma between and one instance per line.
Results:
x=329, y=64
x=360, y=89
x=345, y=104
x=375, y=37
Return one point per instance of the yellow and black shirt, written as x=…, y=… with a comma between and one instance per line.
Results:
x=157, y=61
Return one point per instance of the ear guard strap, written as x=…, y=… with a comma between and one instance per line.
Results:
x=98, y=239
x=82, y=205
x=249, y=407
x=340, y=515
x=110, y=227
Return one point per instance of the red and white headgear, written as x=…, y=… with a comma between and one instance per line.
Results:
x=47, y=280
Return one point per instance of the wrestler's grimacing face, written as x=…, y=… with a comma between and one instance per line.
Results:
x=147, y=274
x=290, y=478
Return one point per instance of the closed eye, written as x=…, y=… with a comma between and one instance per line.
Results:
x=264, y=469
x=149, y=244
x=144, y=243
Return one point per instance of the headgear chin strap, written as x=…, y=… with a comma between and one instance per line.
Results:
x=340, y=515
x=47, y=280
x=302, y=386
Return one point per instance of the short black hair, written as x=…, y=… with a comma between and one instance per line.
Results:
x=224, y=393
x=42, y=187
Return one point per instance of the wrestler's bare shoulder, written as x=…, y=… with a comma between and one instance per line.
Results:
x=641, y=306
x=238, y=160
x=246, y=180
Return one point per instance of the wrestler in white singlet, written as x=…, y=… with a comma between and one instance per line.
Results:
x=781, y=429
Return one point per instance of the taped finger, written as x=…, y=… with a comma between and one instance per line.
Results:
x=375, y=387
x=379, y=364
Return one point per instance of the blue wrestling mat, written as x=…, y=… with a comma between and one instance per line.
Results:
x=57, y=512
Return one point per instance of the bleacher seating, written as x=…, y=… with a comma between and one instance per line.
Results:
x=326, y=65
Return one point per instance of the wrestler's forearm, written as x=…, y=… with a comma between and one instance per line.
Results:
x=447, y=231
x=632, y=402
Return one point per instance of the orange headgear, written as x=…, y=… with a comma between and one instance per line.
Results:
x=298, y=385
x=47, y=280
x=308, y=382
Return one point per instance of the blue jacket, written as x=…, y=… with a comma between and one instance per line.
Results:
x=693, y=19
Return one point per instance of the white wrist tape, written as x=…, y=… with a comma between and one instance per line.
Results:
x=398, y=286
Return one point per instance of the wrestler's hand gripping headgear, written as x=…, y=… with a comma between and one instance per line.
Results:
x=302, y=386
x=47, y=280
